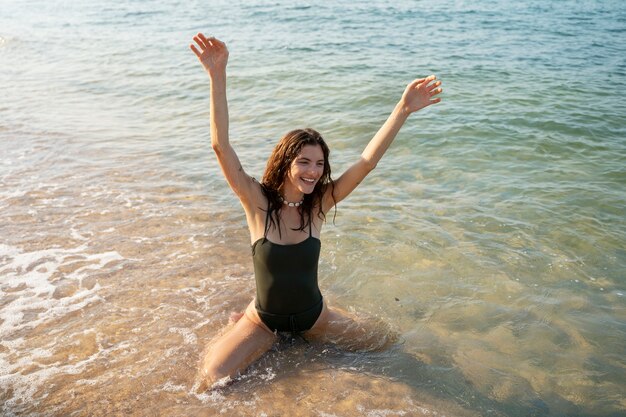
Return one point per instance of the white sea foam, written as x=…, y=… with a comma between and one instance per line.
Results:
x=26, y=278
x=25, y=386
x=188, y=336
x=268, y=375
x=6, y=250
x=212, y=396
x=170, y=387
x=386, y=412
x=13, y=193
x=90, y=382
x=76, y=235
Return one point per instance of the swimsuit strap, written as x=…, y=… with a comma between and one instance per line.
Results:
x=267, y=219
x=310, y=226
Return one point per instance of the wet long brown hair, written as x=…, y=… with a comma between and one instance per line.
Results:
x=278, y=166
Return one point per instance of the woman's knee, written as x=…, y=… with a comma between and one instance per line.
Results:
x=215, y=378
x=235, y=351
x=214, y=368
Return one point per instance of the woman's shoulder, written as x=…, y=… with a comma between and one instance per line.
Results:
x=256, y=199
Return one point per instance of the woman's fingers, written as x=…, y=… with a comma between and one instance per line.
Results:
x=424, y=82
x=434, y=85
x=205, y=43
x=417, y=82
x=208, y=42
x=195, y=50
x=428, y=79
x=435, y=91
x=200, y=42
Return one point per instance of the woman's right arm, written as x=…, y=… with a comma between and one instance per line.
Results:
x=213, y=56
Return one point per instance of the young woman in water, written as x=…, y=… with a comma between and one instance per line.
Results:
x=285, y=215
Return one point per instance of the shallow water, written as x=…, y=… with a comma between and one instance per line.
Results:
x=491, y=236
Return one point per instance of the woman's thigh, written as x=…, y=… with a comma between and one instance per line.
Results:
x=350, y=332
x=237, y=348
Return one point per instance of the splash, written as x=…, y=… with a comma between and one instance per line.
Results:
x=38, y=288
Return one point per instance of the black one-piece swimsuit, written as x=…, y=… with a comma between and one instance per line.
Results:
x=288, y=297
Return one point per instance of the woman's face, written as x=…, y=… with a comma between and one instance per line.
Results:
x=306, y=169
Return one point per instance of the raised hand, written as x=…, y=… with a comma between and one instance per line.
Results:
x=213, y=54
x=421, y=93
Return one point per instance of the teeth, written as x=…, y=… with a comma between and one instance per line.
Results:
x=307, y=180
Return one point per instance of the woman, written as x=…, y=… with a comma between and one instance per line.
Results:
x=285, y=214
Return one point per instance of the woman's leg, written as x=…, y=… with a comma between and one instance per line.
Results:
x=350, y=332
x=237, y=349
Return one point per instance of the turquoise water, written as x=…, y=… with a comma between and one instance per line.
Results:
x=491, y=236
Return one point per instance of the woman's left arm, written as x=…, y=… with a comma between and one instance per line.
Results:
x=418, y=94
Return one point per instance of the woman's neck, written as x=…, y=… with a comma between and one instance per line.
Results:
x=290, y=195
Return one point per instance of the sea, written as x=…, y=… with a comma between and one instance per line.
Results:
x=491, y=237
